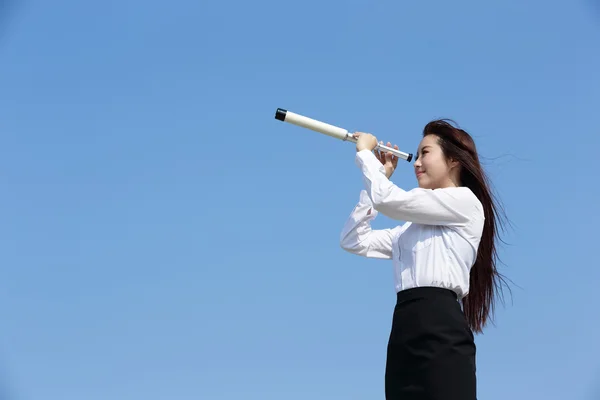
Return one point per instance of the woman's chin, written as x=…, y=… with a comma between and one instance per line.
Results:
x=423, y=182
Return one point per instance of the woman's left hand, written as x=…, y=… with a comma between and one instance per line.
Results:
x=365, y=141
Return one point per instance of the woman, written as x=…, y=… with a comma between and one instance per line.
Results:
x=443, y=253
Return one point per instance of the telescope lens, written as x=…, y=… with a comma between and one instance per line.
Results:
x=280, y=114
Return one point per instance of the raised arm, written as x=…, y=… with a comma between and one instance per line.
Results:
x=359, y=238
x=453, y=206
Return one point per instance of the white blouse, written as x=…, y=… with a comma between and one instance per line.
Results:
x=438, y=241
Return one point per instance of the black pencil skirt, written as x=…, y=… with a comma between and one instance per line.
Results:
x=431, y=349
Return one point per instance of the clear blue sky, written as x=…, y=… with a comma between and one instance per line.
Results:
x=162, y=236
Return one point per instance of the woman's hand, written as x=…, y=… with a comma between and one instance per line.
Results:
x=388, y=160
x=366, y=141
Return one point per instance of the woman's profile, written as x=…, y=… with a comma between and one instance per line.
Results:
x=444, y=256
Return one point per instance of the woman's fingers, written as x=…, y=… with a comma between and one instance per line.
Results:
x=388, y=155
x=378, y=155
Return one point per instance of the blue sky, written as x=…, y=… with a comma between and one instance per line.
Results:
x=164, y=237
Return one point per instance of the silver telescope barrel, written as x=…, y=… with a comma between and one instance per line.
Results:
x=331, y=130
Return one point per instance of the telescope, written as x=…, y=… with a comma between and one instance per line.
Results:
x=331, y=130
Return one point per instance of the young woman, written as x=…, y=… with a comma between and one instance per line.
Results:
x=443, y=253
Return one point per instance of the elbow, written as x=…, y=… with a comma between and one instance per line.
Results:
x=353, y=247
x=379, y=201
x=384, y=206
x=347, y=248
x=380, y=206
x=345, y=244
x=349, y=245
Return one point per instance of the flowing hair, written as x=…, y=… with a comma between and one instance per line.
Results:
x=485, y=280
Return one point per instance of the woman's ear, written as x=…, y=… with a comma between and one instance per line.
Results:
x=453, y=163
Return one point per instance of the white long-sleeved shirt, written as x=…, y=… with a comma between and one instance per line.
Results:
x=437, y=243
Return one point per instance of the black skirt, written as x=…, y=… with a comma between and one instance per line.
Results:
x=431, y=350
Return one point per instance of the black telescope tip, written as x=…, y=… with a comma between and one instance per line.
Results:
x=280, y=114
x=409, y=159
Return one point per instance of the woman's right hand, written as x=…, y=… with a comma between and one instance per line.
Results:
x=388, y=160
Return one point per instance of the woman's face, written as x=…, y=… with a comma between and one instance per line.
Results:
x=432, y=169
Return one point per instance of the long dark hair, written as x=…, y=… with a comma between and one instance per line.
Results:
x=485, y=280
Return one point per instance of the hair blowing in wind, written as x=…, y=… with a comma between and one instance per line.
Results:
x=485, y=280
